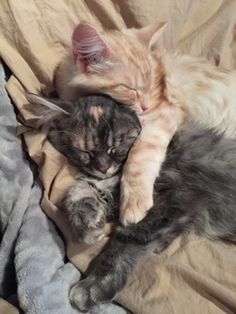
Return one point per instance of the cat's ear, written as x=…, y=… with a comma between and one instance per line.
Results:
x=47, y=110
x=150, y=34
x=89, y=49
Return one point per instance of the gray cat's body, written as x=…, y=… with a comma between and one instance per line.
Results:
x=196, y=192
x=95, y=133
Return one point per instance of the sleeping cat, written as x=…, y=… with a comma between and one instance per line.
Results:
x=167, y=88
x=195, y=192
x=95, y=133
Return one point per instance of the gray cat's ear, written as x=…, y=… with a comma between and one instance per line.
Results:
x=150, y=34
x=47, y=110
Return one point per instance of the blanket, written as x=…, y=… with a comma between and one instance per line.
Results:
x=193, y=274
x=32, y=253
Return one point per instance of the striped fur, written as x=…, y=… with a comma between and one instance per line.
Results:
x=167, y=89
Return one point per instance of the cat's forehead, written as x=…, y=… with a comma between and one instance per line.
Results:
x=136, y=65
x=86, y=139
x=135, y=57
x=91, y=126
x=102, y=126
x=96, y=113
x=78, y=141
x=132, y=57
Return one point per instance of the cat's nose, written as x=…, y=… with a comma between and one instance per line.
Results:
x=103, y=168
x=144, y=106
x=103, y=163
x=144, y=102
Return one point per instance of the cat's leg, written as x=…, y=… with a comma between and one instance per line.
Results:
x=144, y=162
x=86, y=212
x=121, y=256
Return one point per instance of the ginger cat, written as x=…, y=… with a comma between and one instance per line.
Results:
x=166, y=89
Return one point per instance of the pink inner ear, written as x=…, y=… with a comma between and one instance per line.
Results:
x=88, y=47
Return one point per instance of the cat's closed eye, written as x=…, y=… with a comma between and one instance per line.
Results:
x=124, y=86
x=120, y=154
x=111, y=150
x=84, y=157
x=123, y=93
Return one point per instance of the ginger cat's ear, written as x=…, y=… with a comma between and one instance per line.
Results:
x=89, y=49
x=150, y=34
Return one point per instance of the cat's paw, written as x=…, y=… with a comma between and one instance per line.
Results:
x=87, y=218
x=135, y=202
x=79, y=296
x=87, y=293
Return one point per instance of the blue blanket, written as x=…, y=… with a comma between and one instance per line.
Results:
x=32, y=253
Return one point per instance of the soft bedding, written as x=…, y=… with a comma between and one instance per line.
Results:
x=32, y=253
x=193, y=274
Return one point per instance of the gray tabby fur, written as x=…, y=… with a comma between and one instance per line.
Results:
x=196, y=192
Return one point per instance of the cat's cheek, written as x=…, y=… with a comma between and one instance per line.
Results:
x=139, y=111
x=113, y=169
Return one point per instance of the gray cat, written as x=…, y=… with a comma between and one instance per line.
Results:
x=95, y=133
x=196, y=191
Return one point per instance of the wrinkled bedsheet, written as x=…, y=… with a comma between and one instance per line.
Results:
x=32, y=253
x=193, y=274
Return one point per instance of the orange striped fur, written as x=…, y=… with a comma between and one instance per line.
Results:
x=171, y=87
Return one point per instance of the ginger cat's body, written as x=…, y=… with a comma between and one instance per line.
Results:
x=165, y=88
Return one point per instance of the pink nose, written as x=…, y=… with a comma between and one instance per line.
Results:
x=103, y=168
x=141, y=107
x=144, y=103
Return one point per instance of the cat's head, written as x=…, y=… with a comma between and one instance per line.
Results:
x=117, y=63
x=95, y=132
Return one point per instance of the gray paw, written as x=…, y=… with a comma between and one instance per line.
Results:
x=83, y=294
x=87, y=218
x=80, y=297
x=87, y=293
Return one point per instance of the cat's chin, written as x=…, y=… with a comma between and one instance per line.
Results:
x=102, y=176
x=99, y=175
x=90, y=240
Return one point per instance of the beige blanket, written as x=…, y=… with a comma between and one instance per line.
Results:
x=7, y=308
x=193, y=275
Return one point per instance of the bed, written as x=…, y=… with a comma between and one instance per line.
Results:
x=39, y=258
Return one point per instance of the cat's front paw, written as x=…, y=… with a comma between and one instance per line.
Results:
x=89, y=292
x=87, y=218
x=136, y=200
x=79, y=296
